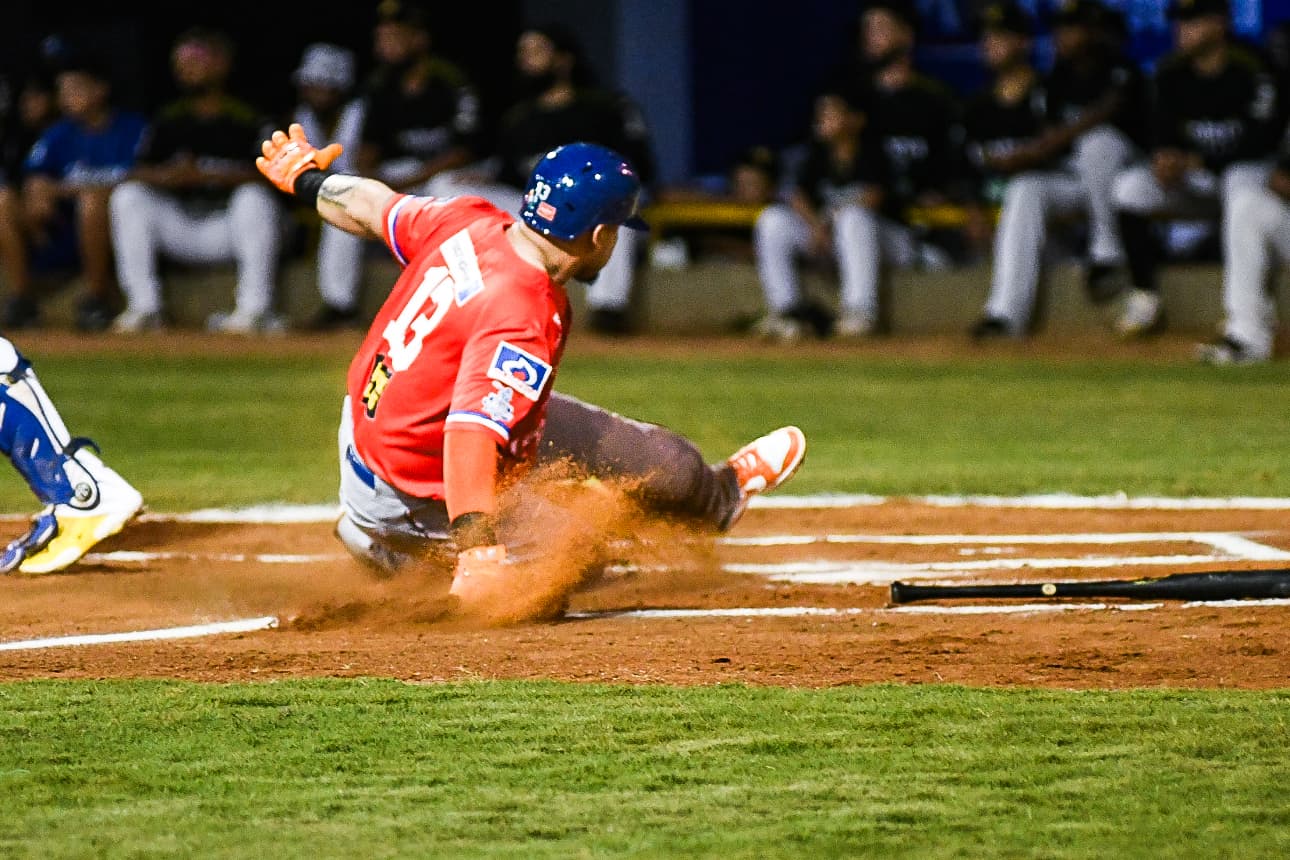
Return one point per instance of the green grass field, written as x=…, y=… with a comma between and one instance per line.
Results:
x=196, y=432
x=381, y=769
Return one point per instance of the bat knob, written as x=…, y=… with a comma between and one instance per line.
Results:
x=898, y=592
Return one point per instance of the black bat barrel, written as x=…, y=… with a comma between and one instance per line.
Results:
x=1217, y=585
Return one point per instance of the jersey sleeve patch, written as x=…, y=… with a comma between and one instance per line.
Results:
x=521, y=370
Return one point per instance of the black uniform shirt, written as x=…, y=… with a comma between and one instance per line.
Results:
x=228, y=140
x=826, y=181
x=920, y=135
x=530, y=130
x=442, y=115
x=992, y=129
x=1225, y=118
x=1072, y=87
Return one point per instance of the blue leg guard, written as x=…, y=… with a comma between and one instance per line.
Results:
x=34, y=438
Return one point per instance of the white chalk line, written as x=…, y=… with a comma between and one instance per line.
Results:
x=243, y=625
x=269, y=622
x=930, y=609
x=140, y=556
x=272, y=513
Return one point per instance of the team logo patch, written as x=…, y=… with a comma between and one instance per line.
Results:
x=497, y=405
x=546, y=211
x=523, y=371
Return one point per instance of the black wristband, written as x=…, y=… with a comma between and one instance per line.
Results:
x=308, y=184
x=473, y=529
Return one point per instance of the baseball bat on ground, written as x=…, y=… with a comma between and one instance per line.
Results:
x=1218, y=585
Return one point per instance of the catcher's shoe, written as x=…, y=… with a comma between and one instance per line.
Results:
x=74, y=530
x=765, y=463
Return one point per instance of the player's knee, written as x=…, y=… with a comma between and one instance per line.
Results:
x=1253, y=209
x=368, y=550
x=1133, y=191
x=1024, y=192
x=128, y=199
x=773, y=223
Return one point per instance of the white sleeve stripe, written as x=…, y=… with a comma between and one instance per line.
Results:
x=391, y=221
x=475, y=418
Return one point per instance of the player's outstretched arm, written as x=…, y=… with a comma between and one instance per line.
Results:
x=354, y=204
x=295, y=166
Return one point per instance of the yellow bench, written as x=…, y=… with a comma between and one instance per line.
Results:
x=668, y=216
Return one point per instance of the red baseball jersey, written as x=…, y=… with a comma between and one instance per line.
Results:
x=469, y=338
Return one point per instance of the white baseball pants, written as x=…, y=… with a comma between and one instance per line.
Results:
x=863, y=241
x=1257, y=239
x=148, y=223
x=1032, y=199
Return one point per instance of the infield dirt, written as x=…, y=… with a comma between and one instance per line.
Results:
x=338, y=620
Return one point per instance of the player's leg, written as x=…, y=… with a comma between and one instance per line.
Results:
x=85, y=500
x=1256, y=233
x=21, y=309
x=138, y=213
x=1029, y=201
x=1100, y=154
x=255, y=239
x=381, y=527
x=857, y=241
x=779, y=235
x=1139, y=198
x=666, y=471
x=340, y=275
x=94, y=236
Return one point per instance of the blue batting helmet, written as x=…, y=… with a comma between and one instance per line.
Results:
x=577, y=186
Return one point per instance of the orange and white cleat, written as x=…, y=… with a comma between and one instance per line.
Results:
x=764, y=464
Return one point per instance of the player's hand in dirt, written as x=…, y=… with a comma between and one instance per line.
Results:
x=289, y=154
x=493, y=587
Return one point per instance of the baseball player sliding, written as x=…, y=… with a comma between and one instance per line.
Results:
x=450, y=395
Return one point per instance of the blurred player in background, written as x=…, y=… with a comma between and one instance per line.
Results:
x=1255, y=243
x=450, y=396
x=1215, y=118
x=1095, y=104
x=85, y=501
x=833, y=211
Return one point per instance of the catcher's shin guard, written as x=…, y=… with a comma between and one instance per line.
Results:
x=34, y=438
x=85, y=501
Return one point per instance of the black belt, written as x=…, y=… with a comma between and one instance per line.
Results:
x=366, y=475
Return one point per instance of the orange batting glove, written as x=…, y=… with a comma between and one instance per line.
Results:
x=288, y=155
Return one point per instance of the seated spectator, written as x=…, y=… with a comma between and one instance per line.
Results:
x=1094, y=101
x=69, y=174
x=422, y=111
x=1215, y=131
x=1002, y=119
x=833, y=211
x=917, y=121
x=1256, y=239
x=324, y=84
x=25, y=116
x=564, y=108
x=196, y=197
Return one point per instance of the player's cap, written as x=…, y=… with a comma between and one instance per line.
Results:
x=903, y=10
x=1188, y=10
x=575, y=187
x=402, y=12
x=1079, y=13
x=325, y=65
x=1006, y=16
